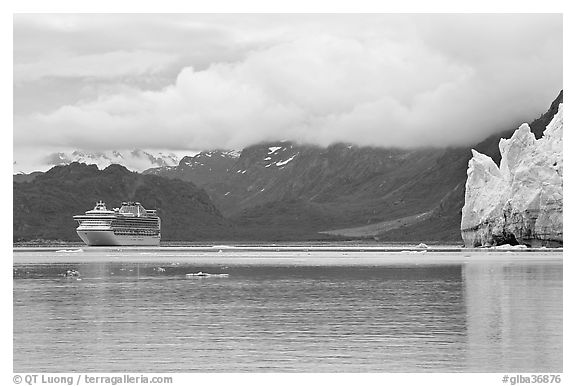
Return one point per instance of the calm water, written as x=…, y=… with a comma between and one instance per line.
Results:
x=135, y=311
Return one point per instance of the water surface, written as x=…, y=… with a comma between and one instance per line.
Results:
x=136, y=311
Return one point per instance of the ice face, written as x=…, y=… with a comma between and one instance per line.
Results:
x=521, y=200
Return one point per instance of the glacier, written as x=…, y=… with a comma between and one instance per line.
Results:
x=519, y=202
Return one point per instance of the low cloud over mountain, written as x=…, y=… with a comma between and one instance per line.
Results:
x=378, y=80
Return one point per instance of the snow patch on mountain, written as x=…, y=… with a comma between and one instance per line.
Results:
x=274, y=149
x=232, y=153
x=279, y=156
x=282, y=163
x=135, y=160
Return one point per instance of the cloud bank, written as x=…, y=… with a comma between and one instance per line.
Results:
x=402, y=81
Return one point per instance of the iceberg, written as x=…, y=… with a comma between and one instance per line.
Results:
x=520, y=201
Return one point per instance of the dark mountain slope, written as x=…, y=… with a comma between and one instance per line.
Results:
x=23, y=177
x=304, y=189
x=424, y=195
x=44, y=207
x=203, y=169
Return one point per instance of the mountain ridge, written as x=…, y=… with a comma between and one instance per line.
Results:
x=286, y=191
x=43, y=208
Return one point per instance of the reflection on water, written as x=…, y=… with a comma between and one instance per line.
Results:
x=126, y=316
x=514, y=317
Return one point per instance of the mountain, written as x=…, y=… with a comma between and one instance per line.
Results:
x=43, y=208
x=289, y=191
x=283, y=190
x=204, y=168
x=273, y=191
x=23, y=177
x=135, y=160
x=284, y=172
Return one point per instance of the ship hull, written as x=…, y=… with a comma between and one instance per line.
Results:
x=108, y=238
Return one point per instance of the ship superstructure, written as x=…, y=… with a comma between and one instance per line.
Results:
x=131, y=224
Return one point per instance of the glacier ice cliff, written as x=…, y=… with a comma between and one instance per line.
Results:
x=519, y=202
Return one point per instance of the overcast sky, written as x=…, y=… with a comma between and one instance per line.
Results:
x=185, y=83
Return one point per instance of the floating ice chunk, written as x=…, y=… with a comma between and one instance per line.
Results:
x=422, y=245
x=508, y=246
x=204, y=274
x=71, y=273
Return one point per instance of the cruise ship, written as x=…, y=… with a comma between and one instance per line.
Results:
x=129, y=225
